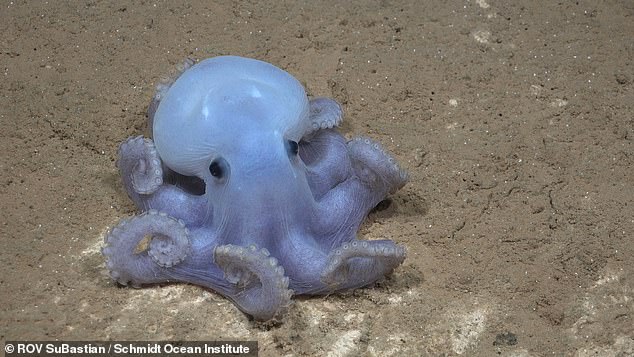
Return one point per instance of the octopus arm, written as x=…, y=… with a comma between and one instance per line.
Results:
x=143, y=178
x=260, y=287
x=325, y=113
x=139, y=250
x=360, y=263
x=348, y=179
x=326, y=158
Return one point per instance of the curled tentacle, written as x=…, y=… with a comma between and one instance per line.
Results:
x=138, y=249
x=325, y=113
x=262, y=287
x=163, y=86
x=140, y=166
x=375, y=166
x=370, y=175
x=359, y=263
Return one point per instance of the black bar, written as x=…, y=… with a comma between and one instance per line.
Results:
x=131, y=348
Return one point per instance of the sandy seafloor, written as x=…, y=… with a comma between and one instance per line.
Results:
x=514, y=119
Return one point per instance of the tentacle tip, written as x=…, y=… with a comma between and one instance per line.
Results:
x=280, y=313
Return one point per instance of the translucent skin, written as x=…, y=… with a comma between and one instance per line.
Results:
x=248, y=189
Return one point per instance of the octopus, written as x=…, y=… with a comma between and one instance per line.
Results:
x=248, y=189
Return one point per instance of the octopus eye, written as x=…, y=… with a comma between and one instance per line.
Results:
x=293, y=147
x=216, y=168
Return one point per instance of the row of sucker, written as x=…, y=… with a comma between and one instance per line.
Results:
x=335, y=271
x=163, y=86
x=394, y=176
x=262, y=283
x=325, y=113
x=165, y=83
x=147, y=173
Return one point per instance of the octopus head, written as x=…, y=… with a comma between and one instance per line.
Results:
x=230, y=121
